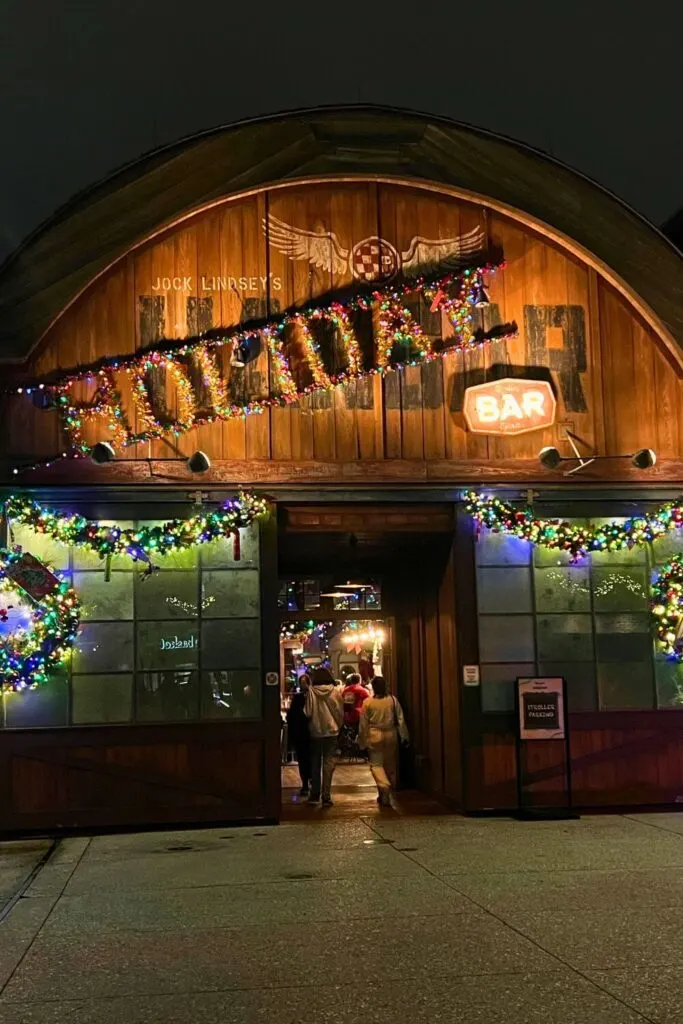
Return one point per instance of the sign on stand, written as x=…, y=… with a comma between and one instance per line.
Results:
x=541, y=711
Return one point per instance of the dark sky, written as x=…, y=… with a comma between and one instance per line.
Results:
x=87, y=85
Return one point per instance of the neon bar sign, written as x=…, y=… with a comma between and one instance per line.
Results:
x=510, y=406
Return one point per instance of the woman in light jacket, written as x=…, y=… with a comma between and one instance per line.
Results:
x=325, y=712
x=382, y=726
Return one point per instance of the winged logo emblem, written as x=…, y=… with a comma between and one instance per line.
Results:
x=373, y=258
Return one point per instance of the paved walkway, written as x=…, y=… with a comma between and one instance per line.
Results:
x=388, y=920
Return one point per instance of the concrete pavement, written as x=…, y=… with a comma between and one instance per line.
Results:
x=374, y=920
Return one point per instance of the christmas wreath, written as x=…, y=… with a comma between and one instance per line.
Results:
x=27, y=655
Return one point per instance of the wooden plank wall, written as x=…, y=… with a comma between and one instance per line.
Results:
x=617, y=760
x=219, y=269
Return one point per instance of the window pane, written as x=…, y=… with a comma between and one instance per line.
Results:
x=626, y=685
x=498, y=685
x=565, y=637
x=104, y=647
x=220, y=554
x=227, y=593
x=552, y=557
x=665, y=547
x=562, y=589
x=502, y=637
x=620, y=589
x=669, y=679
x=167, y=595
x=582, y=690
x=499, y=549
x=167, y=645
x=170, y=696
x=106, y=698
x=231, y=694
x=43, y=707
x=43, y=547
x=102, y=599
x=623, y=638
x=503, y=590
x=231, y=643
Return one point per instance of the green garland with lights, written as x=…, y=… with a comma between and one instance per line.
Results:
x=27, y=656
x=666, y=591
x=140, y=543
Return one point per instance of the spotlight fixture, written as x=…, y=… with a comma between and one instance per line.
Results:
x=644, y=459
x=198, y=462
x=549, y=457
x=480, y=296
x=102, y=452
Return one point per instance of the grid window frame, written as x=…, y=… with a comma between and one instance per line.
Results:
x=214, y=562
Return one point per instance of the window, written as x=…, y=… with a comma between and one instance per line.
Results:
x=182, y=645
x=539, y=614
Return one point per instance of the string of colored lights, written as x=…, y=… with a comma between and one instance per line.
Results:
x=143, y=542
x=666, y=590
x=27, y=656
x=399, y=342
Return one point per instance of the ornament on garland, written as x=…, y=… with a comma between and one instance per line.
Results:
x=398, y=341
x=28, y=655
x=666, y=606
x=144, y=542
x=666, y=591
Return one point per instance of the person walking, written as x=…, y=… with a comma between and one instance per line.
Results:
x=300, y=736
x=324, y=710
x=382, y=726
x=354, y=696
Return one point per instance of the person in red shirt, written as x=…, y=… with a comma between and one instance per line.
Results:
x=354, y=696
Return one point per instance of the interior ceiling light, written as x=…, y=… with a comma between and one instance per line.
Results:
x=336, y=593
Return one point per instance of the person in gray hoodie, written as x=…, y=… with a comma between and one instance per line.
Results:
x=324, y=709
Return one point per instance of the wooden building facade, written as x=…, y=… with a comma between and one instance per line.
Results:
x=266, y=218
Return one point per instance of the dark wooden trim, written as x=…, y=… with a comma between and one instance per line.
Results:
x=270, y=662
x=467, y=647
x=370, y=473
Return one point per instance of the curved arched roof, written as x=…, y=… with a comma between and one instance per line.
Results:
x=100, y=224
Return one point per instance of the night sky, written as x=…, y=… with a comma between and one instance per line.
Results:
x=88, y=85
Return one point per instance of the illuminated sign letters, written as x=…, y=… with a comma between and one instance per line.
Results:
x=510, y=406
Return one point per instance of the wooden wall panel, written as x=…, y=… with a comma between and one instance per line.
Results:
x=220, y=268
x=132, y=775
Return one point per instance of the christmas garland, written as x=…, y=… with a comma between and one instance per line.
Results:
x=27, y=656
x=144, y=542
x=666, y=591
x=398, y=341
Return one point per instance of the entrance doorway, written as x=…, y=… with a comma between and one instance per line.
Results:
x=370, y=589
x=354, y=651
